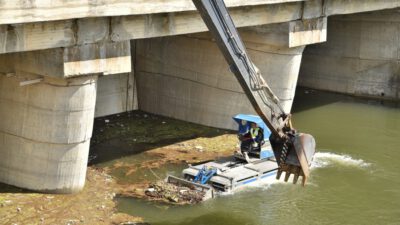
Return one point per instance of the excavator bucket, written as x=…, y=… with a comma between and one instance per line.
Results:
x=294, y=156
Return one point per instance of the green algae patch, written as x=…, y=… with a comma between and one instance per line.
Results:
x=138, y=128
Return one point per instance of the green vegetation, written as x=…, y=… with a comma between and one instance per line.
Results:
x=142, y=128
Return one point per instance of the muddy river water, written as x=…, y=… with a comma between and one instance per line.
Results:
x=355, y=177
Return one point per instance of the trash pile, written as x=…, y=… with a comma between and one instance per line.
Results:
x=171, y=193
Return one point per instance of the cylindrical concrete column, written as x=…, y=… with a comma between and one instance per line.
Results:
x=45, y=132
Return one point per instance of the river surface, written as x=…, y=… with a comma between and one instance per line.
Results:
x=355, y=178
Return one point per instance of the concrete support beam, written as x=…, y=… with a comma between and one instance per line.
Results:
x=40, y=10
x=324, y=8
x=313, y=9
x=293, y=34
x=34, y=36
x=306, y=32
x=186, y=77
x=69, y=33
x=45, y=132
x=164, y=18
x=156, y=25
x=53, y=34
x=336, y=7
x=360, y=58
x=101, y=58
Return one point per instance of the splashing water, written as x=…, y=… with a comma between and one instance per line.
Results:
x=325, y=159
x=321, y=160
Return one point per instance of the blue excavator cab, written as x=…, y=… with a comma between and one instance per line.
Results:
x=263, y=148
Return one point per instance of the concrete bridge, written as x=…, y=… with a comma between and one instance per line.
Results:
x=64, y=62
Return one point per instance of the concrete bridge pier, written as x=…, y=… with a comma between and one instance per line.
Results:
x=45, y=132
x=361, y=56
x=47, y=105
x=186, y=77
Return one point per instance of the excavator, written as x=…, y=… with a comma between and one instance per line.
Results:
x=292, y=151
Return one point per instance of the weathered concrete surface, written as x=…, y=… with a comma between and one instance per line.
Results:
x=44, y=35
x=361, y=56
x=45, y=132
x=186, y=77
x=100, y=58
x=306, y=32
x=12, y=12
x=156, y=25
x=335, y=7
x=40, y=10
x=67, y=33
x=115, y=94
x=34, y=25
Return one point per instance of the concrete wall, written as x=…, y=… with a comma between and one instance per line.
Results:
x=186, y=77
x=115, y=94
x=45, y=132
x=361, y=56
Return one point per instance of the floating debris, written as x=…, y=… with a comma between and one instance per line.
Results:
x=167, y=192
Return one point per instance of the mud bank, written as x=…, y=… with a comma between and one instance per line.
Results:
x=93, y=205
x=128, y=152
x=139, y=149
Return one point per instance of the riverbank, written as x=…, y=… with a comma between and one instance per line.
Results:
x=93, y=205
x=138, y=149
x=128, y=152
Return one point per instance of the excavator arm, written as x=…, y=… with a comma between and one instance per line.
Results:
x=293, y=151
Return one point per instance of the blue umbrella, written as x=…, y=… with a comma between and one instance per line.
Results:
x=244, y=122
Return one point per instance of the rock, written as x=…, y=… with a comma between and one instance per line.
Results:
x=106, y=121
x=199, y=148
x=163, y=122
x=173, y=198
x=19, y=209
x=71, y=222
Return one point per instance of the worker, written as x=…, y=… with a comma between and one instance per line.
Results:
x=254, y=132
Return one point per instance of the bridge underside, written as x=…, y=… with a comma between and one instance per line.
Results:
x=49, y=97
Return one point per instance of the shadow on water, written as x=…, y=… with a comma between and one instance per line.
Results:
x=135, y=132
x=316, y=98
x=211, y=218
x=202, y=214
